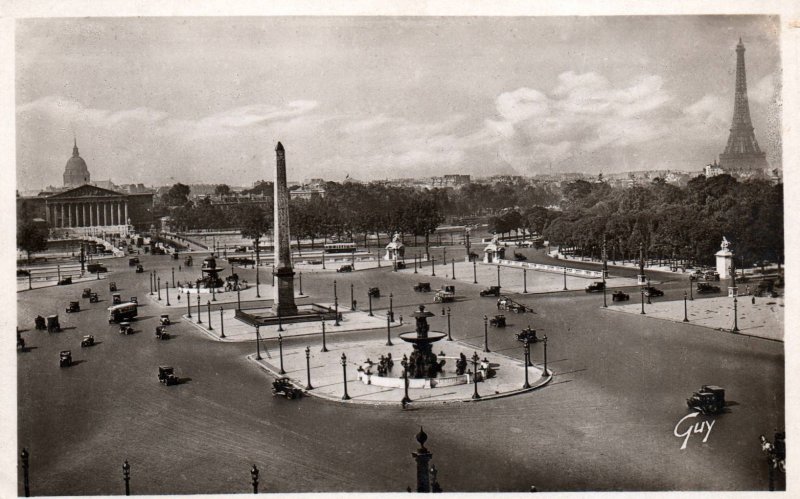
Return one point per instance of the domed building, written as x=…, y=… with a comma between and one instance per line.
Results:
x=75, y=172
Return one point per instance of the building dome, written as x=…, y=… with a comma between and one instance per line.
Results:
x=75, y=172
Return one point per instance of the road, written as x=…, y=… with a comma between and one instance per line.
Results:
x=605, y=423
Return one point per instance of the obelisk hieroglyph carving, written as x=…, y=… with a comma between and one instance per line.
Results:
x=284, y=275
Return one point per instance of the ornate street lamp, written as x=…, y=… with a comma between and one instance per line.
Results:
x=453, y=263
x=415, y=263
x=25, y=470
x=475, y=358
x=391, y=307
x=474, y=272
x=280, y=352
x=691, y=291
x=565, y=276
x=449, y=338
x=498, y=275
x=642, y=292
x=404, y=363
x=324, y=347
x=389, y=329
x=126, y=475
x=300, y=277
x=308, y=369
x=735, y=316
x=254, y=475
x=166, y=289
x=344, y=373
x=238, y=298
x=258, y=282
x=188, y=306
x=208, y=307
x=685, y=309
x=524, y=280
x=544, y=340
x=221, y=323
x=527, y=353
x=258, y=343
x=158, y=287
x=369, y=295
x=485, y=333
x=173, y=277
x=433, y=267
x=199, y=319
x=352, y=299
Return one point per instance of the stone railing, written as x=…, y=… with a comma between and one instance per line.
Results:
x=589, y=274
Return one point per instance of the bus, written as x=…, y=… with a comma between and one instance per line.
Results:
x=122, y=312
x=340, y=248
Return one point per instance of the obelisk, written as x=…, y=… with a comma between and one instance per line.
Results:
x=284, y=275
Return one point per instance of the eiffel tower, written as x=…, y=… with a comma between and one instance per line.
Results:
x=742, y=154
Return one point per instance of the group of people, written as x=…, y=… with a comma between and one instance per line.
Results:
x=385, y=364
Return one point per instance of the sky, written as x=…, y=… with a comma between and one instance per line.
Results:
x=205, y=100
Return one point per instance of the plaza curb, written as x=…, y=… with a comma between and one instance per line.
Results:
x=544, y=381
x=719, y=329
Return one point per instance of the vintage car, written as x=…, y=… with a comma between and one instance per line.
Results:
x=132, y=262
x=188, y=261
x=284, y=388
x=498, y=321
x=122, y=312
x=65, y=281
x=519, y=257
x=93, y=298
x=422, y=287
x=704, y=287
x=445, y=295
x=139, y=269
x=374, y=292
x=87, y=292
x=116, y=299
x=710, y=399
x=490, y=291
x=112, y=286
x=595, y=287
x=65, y=358
x=164, y=320
x=401, y=265
x=506, y=303
x=166, y=375
x=652, y=291
x=134, y=300
x=52, y=324
x=23, y=273
x=711, y=275
x=87, y=341
x=125, y=328
x=95, y=268
x=161, y=333
x=345, y=268
x=620, y=296
x=39, y=322
x=175, y=256
x=74, y=306
x=528, y=334
x=766, y=288
x=696, y=274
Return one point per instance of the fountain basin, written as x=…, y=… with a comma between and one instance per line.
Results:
x=413, y=337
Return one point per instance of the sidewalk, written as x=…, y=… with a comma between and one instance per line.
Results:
x=22, y=283
x=765, y=319
x=327, y=373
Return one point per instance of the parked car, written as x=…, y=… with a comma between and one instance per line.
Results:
x=161, y=333
x=39, y=323
x=112, y=286
x=65, y=358
x=74, y=306
x=164, y=320
x=87, y=341
x=498, y=321
x=53, y=325
x=490, y=291
x=23, y=273
x=652, y=291
x=65, y=281
x=284, y=388
x=401, y=265
x=444, y=295
x=374, y=292
x=134, y=300
x=166, y=375
x=87, y=292
x=620, y=296
x=139, y=269
x=125, y=328
x=116, y=299
x=711, y=275
x=595, y=287
x=133, y=261
x=345, y=268
x=519, y=257
x=529, y=334
x=422, y=287
x=704, y=287
x=710, y=399
x=93, y=298
x=95, y=268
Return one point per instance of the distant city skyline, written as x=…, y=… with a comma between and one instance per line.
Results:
x=204, y=100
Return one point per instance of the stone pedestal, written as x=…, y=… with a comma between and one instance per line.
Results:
x=641, y=280
x=724, y=261
x=733, y=291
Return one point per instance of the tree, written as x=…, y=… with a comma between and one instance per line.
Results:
x=222, y=190
x=255, y=225
x=178, y=195
x=31, y=236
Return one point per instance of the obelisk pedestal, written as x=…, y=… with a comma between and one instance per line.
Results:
x=284, y=274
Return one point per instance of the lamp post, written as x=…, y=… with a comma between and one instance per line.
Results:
x=199, y=318
x=453, y=263
x=158, y=287
x=544, y=340
x=151, y=282
x=389, y=329
x=188, y=306
x=25, y=468
x=173, y=277
x=126, y=475
x=336, y=311
x=258, y=343
x=308, y=369
x=221, y=324
x=166, y=290
x=415, y=263
x=485, y=333
x=642, y=292
x=474, y=272
x=691, y=291
x=208, y=307
x=524, y=280
x=406, y=398
x=344, y=374
x=444, y=255
x=258, y=282
x=735, y=316
x=369, y=295
x=433, y=267
x=300, y=278
x=449, y=338
x=352, y=299
x=323, y=259
x=685, y=309
x=475, y=358
x=238, y=297
x=280, y=352
x=254, y=475
x=565, y=276
x=527, y=353
x=498, y=275
x=391, y=307
x=214, y=292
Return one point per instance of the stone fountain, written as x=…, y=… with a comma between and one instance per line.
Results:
x=423, y=363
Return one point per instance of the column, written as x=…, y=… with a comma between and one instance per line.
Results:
x=91, y=218
x=119, y=213
x=61, y=223
x=126, y=212
x=47, y=213
x=69, y=214
x=83, y=215
x=105, y=213
x=97, y=208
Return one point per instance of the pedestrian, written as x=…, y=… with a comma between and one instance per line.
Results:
x=179, y=268
x=753, y=299
x=401, y=319
x=498, y=304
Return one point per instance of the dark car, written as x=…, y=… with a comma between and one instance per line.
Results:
x=74, y=307
x=116, y=299
x=133, y=261
x=595, y=287
x=374, y=292
x=345, y=268
x=53, y=325
x=704, y=287
x=527, y=334
x=620, y=296
x=65, y=358
x=87, y=292
x=422, y=287
x=112, y=286
x=87, y=341
x=93, y=298
x=139, y=269
x=491, y=291
x=95, y=268
x=519, y=257
x=652, y=291
x=65, y=281
x=710, y=399
x=498, y=321
x=23, y=273
x=284, y=388
x=166, y=375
